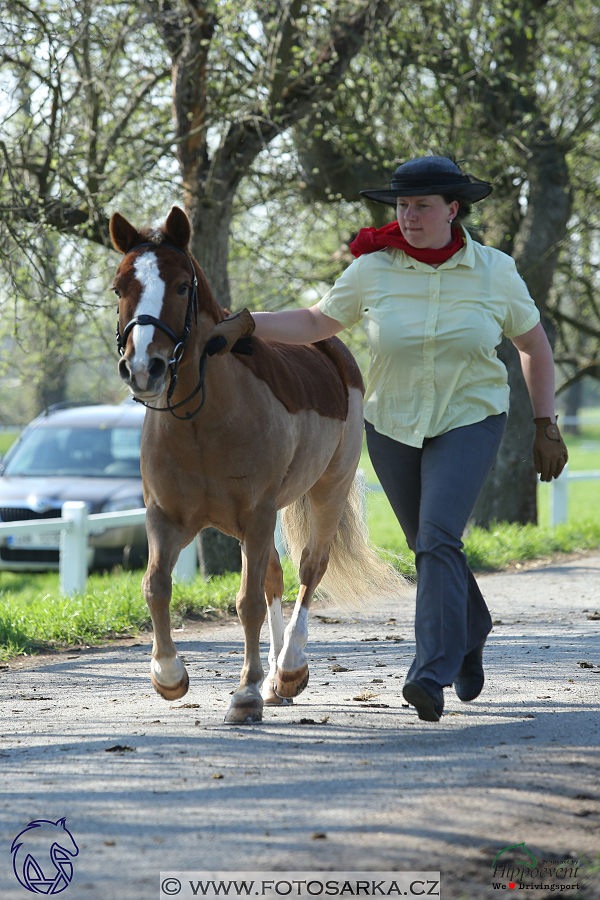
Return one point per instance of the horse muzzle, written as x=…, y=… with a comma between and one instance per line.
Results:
x=147, y=381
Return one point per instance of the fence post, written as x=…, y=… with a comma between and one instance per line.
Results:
x=187, y=563
x=73, y=548
x=559, y=498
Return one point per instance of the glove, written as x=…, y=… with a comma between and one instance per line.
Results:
x=549, y=452
x=232, y=328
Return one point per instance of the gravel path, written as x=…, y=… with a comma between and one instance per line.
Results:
x=346, y=779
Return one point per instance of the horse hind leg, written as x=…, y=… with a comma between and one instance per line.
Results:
x=274, y=594
x=322, y=507
x=292, y=664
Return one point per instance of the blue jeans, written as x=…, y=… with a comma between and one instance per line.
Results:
x=432, y=490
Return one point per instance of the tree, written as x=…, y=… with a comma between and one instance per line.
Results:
x=511, y=87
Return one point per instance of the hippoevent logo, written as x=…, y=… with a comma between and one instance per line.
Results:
x=512, y=873
x=42, y=855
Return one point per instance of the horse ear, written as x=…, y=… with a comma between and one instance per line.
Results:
x=123, y=234
x=177, y=227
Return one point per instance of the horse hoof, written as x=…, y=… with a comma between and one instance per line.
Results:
x=290, y=684
x=247, y=713
x=171, y=693
x=246, y=706
x=271, y=698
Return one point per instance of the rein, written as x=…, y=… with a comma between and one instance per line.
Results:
x=243, y=345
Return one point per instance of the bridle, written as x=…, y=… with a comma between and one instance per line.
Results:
x=244, y=345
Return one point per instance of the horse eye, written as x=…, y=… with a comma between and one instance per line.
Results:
x=182, y=289
x=117, y=292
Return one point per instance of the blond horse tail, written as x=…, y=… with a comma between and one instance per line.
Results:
x=356, y=577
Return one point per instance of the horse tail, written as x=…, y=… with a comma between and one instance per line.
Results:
x=356, y=577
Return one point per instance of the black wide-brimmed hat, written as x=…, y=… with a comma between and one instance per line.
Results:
x=431, y=175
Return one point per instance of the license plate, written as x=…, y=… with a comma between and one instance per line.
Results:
x=48, y=540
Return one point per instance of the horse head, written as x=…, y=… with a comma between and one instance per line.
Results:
x=164, y=301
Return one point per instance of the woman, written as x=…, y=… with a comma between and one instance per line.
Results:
x=434, y=305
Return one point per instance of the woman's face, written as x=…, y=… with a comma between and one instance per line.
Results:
x=425, y=222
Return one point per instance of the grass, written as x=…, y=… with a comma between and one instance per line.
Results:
x=33, y=616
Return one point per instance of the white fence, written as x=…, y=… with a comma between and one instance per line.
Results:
x=76, y=524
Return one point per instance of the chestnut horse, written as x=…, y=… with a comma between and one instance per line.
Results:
x=227, y=441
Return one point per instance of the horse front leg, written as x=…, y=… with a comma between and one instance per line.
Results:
x=167, y=672
x=247, y=702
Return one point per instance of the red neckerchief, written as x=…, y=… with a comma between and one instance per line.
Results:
x=368, y=240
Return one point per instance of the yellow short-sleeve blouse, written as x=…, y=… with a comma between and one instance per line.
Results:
x=432, y=335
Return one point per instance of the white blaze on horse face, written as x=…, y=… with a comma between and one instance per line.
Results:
x=150, y=304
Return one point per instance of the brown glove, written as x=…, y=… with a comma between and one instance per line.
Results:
x=549, y=452
x=232, y=328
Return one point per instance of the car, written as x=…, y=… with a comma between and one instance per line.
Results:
x=74, y=452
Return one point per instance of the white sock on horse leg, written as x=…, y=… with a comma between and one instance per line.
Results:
x=275, y=633
x=292, y=656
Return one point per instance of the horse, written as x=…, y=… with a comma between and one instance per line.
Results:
x=227, y=441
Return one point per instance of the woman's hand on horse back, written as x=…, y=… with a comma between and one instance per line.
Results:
x=296, y=326
x=293, y=326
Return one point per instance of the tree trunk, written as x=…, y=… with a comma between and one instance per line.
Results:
x=510, y=493
x=218, y=553
x=211, y=221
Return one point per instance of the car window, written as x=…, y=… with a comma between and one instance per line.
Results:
x=85, y=452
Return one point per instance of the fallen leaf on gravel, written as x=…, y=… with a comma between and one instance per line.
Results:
x=394, y=637
x=186, y=706
x=318, y=836
x=337, y=668
x=369, y=639
x=583, y=812
x=119, y=748
x=377, y=705
x=586, y=664
x=329, y=621
x=497, y=622
x=367, y=695
x=217, y=775
x=594, y=617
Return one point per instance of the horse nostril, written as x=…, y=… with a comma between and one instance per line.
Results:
x=157, y=368
x=124, y=371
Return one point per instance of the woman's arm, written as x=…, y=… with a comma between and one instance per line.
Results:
x=537, y=364
x=292, y=326
x=295, y=326
x=549, y=452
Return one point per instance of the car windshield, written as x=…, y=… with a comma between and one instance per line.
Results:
x=83, y=452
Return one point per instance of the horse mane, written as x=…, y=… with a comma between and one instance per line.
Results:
x=206, y=298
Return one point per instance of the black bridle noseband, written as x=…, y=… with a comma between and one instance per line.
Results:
x=244, y=345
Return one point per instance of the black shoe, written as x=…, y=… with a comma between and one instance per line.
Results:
x=426, y=696
x=469, y=681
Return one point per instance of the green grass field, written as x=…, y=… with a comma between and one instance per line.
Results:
x=33, y=615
